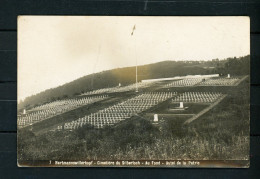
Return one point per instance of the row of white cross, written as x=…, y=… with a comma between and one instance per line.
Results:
x=203, y=82
x=219, y=82
x=184, y=82
x=55, y=108
x=73, y=101
x=205, y=97
x=130, y=87
x=120, y=111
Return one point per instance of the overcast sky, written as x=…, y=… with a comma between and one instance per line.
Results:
x=53, y=50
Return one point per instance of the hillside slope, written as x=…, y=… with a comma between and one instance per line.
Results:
x=126, y=76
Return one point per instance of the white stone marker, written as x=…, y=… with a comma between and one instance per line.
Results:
x=181, y=104
x=155, y=118
x=228, y=76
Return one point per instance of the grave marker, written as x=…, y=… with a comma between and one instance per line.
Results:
x=155, y=118
x=181, y=105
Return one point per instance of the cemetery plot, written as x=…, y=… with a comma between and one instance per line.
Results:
x=51, y=109
x=184, y=82
x=121, y=111
x=132, y=87
x=198, y=97
x=207, y=81
x=212, y=105
x=188, y=106
x=116, y=89
x=100, y=91
x=220, y=82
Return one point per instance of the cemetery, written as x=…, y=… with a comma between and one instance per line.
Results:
x=51, y=109
x=194, y=103
x=119, y=88
x=205, y=81
x=197, y=97
x=121, y=111
x=220, y=82
x=185, y=104
x=184, y=82
x=129, y=124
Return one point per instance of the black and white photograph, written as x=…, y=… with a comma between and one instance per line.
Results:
x=133, y=91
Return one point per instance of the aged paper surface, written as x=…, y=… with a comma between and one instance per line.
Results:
x=133, y=91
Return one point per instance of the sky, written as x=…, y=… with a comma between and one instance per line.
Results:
x=54, y=50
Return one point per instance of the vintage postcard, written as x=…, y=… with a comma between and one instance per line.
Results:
x=139, y=91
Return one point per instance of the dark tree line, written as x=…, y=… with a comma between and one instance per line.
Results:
x=233, y=66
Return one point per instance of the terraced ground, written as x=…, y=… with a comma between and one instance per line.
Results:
x=218, y=133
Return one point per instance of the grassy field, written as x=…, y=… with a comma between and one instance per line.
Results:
x=220, y=134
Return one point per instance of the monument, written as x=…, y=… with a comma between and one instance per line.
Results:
x=181, y=107
x=155, y=119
